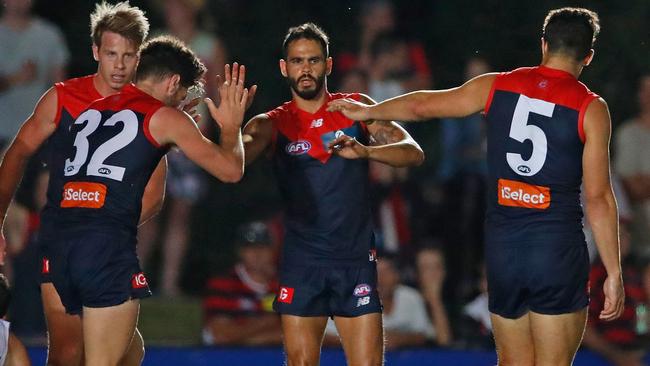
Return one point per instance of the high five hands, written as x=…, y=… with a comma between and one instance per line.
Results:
x=232, y=99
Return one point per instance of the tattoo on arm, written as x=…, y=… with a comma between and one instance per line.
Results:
x=386, y=133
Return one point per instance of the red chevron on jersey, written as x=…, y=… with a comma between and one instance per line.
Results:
x=551, y=85
x=305, y=129
x=74, y=96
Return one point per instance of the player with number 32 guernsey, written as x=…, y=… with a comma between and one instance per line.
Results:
x=547, y=133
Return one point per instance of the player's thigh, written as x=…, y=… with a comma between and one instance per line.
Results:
x=362, y=339
x=514, y=342
x=108, y=332
x=65, y=339
x=557, y=337
x=303, y=336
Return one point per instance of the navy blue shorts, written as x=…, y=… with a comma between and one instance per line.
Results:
x=328, y=291
x=541, y=277
x=96, y=269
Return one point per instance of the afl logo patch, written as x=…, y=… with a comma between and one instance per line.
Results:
x=524, y=169
x=298, y=147
x=362, y=290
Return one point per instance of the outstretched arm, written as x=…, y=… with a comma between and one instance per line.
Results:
x=601, y=204
x=38, y=127
x=424, y=104
x=225, y=160
x=391, y=144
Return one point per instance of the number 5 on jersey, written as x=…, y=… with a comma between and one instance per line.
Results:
x=521, y=131
x=96, y=166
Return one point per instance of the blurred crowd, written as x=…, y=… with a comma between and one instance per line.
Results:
x=429, y=220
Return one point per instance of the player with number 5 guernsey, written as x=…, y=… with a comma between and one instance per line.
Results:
x=547, y=134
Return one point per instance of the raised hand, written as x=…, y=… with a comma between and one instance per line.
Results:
x=350, y=108
x=232, y=100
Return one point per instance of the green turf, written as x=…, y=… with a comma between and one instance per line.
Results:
x=170, y=321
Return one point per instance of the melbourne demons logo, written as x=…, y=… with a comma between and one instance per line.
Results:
x=298, y=147
x=139, y=281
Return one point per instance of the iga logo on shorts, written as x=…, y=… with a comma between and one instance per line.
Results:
x=298, y=147
x=285, y=295
x=362, y=290
x=139, y=281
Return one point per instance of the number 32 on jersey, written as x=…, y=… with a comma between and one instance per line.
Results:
x=96, y=165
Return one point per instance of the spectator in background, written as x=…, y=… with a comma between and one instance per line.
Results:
x=431, y=274
x=239, y=307
x=377, y=17
x=33, y=56
x=406, y=323
x=186, y=182
x=463, y=173
x=475, y=326
x=12, y=351
x=619, y=340
x=632, y=163
x=391, y=208
x=354, y=81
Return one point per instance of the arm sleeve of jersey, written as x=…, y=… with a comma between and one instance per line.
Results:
x=486, y=109
x=581, y=116
x=60, y=92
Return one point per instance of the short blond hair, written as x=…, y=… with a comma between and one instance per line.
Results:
x=121, y=18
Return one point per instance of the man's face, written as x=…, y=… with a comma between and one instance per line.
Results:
x=259, y=258
x=117, y=59
x=305, y=68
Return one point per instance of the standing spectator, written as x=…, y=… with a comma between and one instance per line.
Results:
x=239, y=307
x=377, y=20
x=475, y=326
x=405, y=312
x=463, y=173
x=186, y=182
x=432, y=271
x=33, y=55
x=617, y=340
x=391, y=208
x=633, y=166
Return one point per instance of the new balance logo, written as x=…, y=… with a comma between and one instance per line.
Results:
x=363, y=301
x=316, y=123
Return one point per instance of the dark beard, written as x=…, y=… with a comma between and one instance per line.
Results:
x=307, y=94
